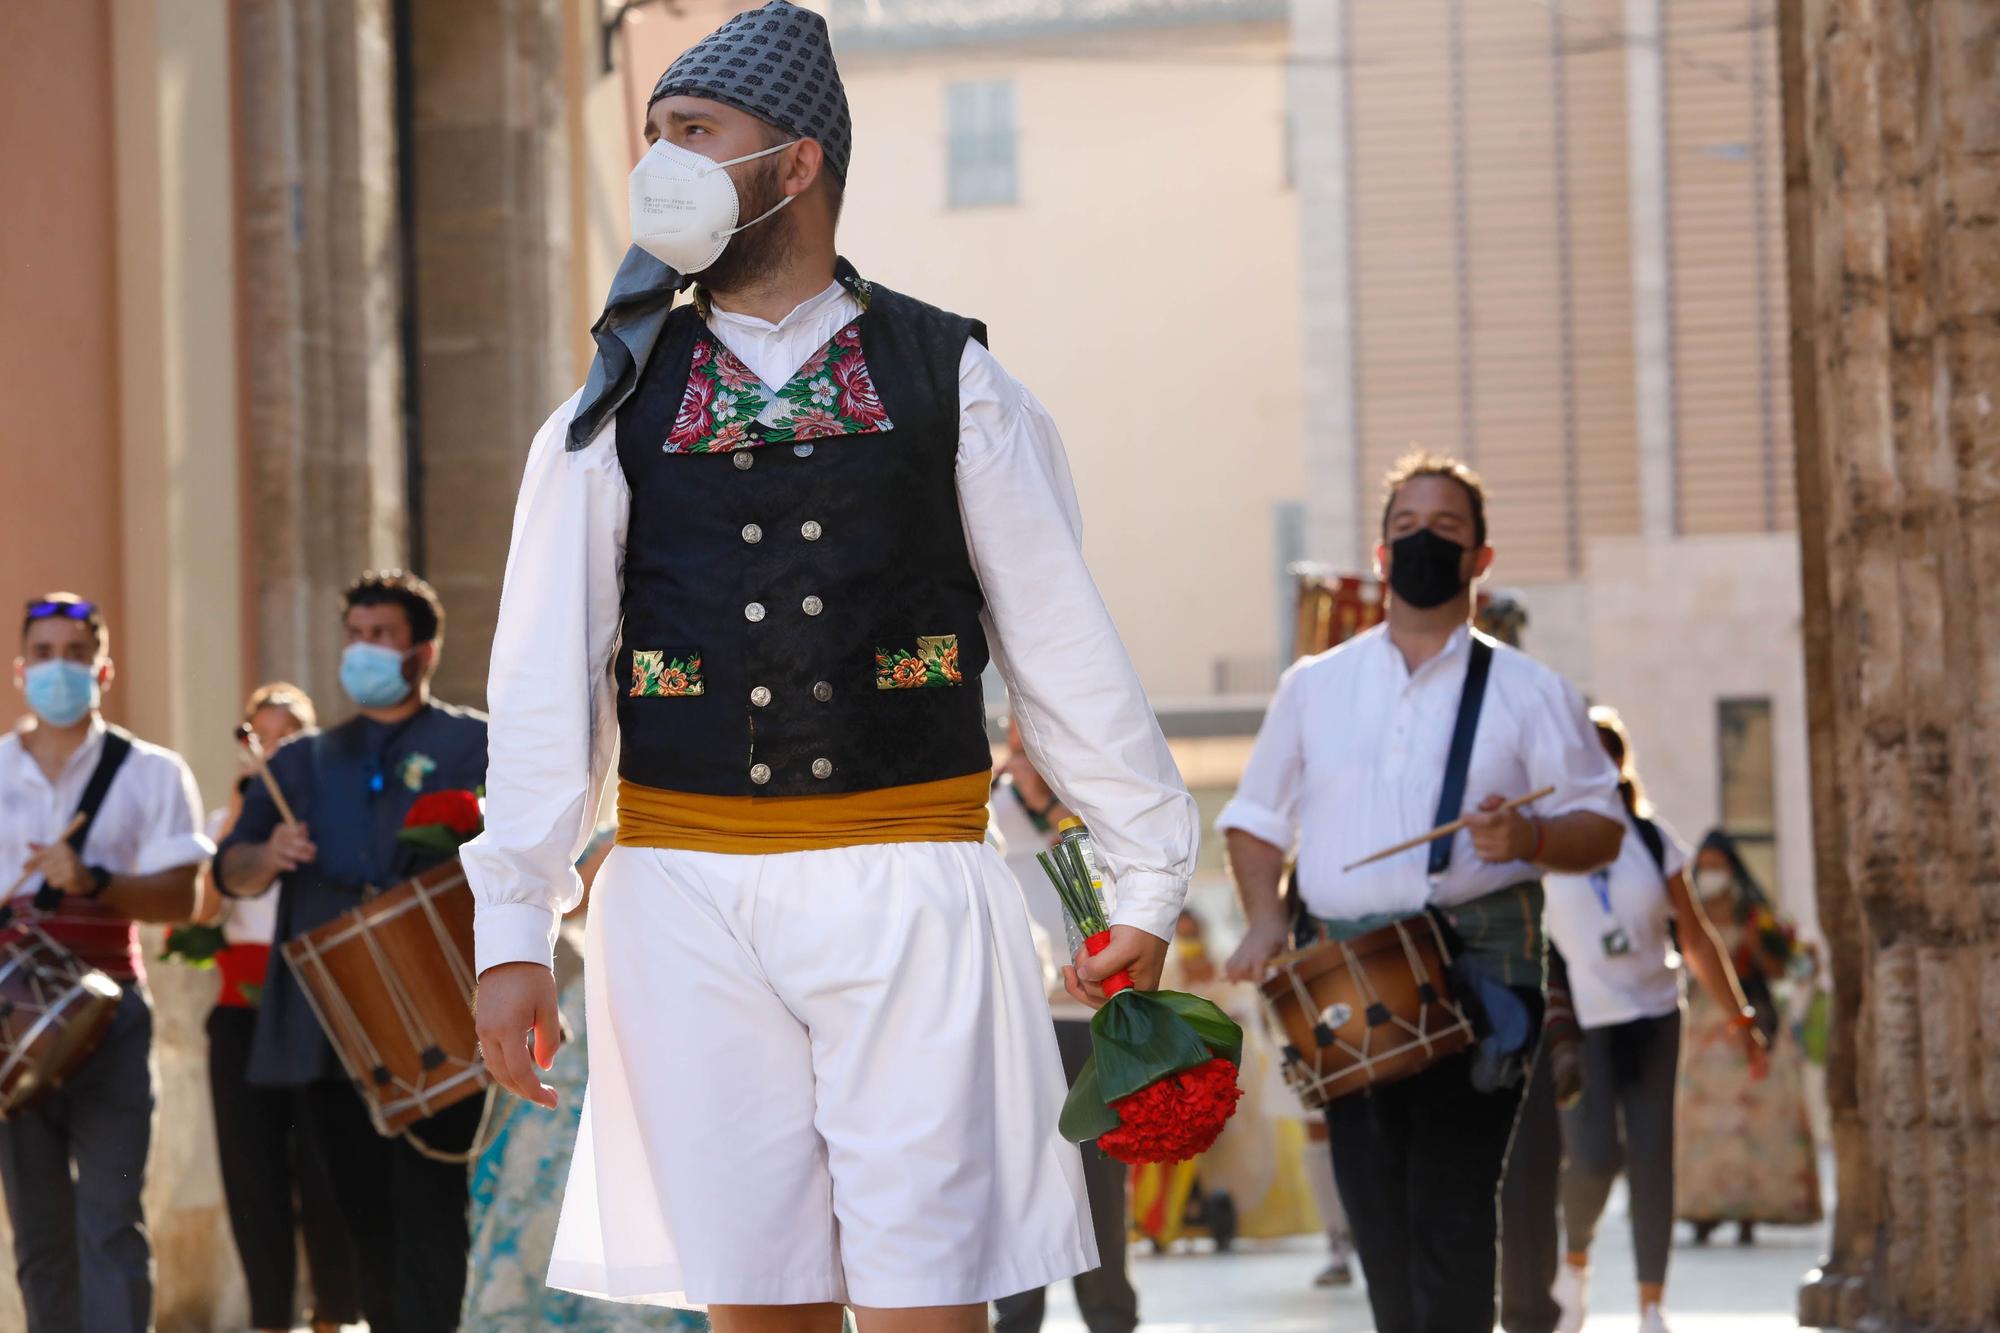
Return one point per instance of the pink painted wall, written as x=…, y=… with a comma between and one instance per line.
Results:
x=59, y=506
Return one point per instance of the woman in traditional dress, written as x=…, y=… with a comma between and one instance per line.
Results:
x=1744, y=1146
x=517, y=1186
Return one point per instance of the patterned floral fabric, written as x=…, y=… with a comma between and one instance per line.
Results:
x=1743, y=1148
x=516, y=1198
x=832, y=394
x=934, y=663
x=657, y=675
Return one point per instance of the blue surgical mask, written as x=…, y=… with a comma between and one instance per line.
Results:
x=373, y=675
x=60, y=692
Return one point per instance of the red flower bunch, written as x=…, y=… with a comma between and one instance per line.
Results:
x=1161, y=1078
x=443, y=821
x=457, y=810
x=1176, y=1118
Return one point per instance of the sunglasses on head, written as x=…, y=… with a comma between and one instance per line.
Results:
x=46, y=609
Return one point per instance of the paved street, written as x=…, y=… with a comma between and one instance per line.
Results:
x=1267, y=1288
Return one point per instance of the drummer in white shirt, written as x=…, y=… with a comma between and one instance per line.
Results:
x=1351, y=758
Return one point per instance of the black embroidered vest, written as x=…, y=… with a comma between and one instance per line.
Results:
x=801, y=615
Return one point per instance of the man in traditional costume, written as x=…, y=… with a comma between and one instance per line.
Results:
x=769, y=549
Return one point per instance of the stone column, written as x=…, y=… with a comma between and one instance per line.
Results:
x=494, y=338
x=321, y=308
x=1892, y=117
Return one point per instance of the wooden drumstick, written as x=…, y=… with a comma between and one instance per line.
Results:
x=248, y=739
x=31, y=872
x=1446, y=830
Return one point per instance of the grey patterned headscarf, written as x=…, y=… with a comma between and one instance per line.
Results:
x=776, y=63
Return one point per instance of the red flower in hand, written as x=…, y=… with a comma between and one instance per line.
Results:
x=1176, y=1118
x=458, y=811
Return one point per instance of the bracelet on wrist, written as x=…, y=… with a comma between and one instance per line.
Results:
x=1745, y=1018
x=1541, y=842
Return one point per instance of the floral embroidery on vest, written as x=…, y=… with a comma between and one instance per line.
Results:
x=658, y=676
x=934, y=663
x=832, y=394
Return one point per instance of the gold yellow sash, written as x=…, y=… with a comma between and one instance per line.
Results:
x=948, y=810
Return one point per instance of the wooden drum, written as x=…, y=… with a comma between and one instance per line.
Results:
x=392, y=984
x=53, y=1013
x=1363, y=1012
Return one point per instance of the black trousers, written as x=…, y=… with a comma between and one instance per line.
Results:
x=405, y=1214
x=1104, y=1295
x=274, y=1188
x=1529, y=1239
x=1418, y=1164
x=74, y=1165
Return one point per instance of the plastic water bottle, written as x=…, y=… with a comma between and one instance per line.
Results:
x=1074, y=834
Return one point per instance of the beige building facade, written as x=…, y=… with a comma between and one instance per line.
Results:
x=1548, y=239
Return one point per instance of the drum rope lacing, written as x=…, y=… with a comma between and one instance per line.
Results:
x=1365, y=1058
x=419, y=1033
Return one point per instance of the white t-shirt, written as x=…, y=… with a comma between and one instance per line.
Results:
x=245, y=920
x=1612, y=929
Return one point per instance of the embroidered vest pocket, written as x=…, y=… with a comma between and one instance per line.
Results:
x=665, y=674
x=933, y=664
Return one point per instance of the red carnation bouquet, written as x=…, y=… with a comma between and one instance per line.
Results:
x=443, y=821
x=1161, y=1079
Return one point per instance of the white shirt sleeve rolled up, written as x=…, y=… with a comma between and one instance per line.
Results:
x=1266, y=803
x=1072, y=687
x=554, y=718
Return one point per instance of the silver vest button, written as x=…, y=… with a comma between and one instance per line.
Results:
x=754, y=612
x=803, y=450
x=760, y=773
x=811, y=531
x=812, y=606
x=761, y=696
x=744, y=461
x=751, y=532
x=823, y=691
x=822, y=769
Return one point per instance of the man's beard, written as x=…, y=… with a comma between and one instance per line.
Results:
x=760, y=251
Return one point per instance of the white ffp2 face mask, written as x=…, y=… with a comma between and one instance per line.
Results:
x=684, y=207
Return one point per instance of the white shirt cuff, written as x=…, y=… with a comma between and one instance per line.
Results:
x=1151, y=901
x=514, y=933
x=1263, y=824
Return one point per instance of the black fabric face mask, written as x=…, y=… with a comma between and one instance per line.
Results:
x=1423, y=569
